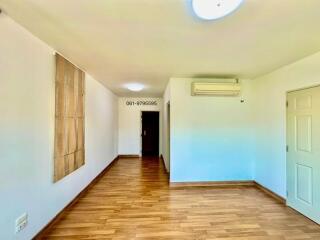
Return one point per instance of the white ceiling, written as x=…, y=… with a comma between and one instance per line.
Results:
x=149, y=41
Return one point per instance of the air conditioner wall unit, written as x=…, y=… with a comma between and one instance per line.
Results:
x=215, y=89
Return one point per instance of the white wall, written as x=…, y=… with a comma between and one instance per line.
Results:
x=27, y=74
x=270, y=164
x=212, y=138
x=165, y=130
x=130, y=124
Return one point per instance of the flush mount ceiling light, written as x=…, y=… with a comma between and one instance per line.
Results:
x=214, y=9
x=135, y=87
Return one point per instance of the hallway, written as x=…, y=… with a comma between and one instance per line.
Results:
x=133, y=201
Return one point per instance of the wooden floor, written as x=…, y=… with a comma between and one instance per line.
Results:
x=133, y=201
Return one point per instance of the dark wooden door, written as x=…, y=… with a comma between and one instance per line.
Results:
x=150, y=134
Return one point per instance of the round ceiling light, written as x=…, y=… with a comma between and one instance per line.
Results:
x=135, y=87
x=214, y=9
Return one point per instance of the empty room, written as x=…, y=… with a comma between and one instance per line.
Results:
x=160, y=119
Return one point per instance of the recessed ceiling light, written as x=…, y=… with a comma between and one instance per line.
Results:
x=214, y=9
x=135, y=87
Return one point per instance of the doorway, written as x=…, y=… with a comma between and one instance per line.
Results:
x=303, y=152
x=150, y=133
x=168, y=135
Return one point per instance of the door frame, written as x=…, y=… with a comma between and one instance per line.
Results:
x=158, y=111
x=168, y=134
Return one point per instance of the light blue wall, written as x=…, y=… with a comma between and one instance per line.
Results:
x=212, y=138
x=220, y=139
x=270, y=118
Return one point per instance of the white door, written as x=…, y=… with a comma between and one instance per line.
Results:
x=303, y=152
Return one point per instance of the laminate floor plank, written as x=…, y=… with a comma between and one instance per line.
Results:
x=133, y=200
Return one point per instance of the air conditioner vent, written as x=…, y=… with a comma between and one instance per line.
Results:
x=215, y=89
